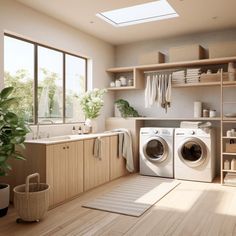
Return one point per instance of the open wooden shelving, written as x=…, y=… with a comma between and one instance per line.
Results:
x=226, y=123
x=137, y=73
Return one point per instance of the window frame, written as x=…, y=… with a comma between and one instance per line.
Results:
x=35, y=89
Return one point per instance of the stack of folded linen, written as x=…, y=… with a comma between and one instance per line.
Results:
x=230, y=178
x=178, y=77
x=195, y=125
x=193, y=75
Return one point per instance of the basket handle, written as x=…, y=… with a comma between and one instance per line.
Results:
x=28, y=180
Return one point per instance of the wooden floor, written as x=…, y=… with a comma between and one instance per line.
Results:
x=192, y=208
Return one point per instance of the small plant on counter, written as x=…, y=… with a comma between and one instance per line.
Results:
x=92, y=102
x=125, y=109
x=12, y=130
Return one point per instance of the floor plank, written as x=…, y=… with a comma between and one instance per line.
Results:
x=192, y=208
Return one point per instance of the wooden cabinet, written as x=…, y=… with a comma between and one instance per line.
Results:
x=117, y=164
x=96, y=170
x=64, y=170
x=69, y=168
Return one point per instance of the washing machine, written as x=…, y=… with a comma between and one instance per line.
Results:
x=195, y=154
x=156, y=151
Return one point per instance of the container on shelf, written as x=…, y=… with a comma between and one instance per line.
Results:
x=231, y=71
x=186, y=53
x=151, y=58
x=130, y=82
x=197, y=109
x=226, y=165
x=212, y=113
x=231, y=146
x=205, y=113
x=112, y=84
x=123, y=81
x=222, y=49
x=233, y=164
x=118, y=83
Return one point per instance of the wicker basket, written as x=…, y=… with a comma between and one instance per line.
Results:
x=31, y=200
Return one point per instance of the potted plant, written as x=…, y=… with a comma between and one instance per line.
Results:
x=91, y=103
x=12, y=132
x=125, y=109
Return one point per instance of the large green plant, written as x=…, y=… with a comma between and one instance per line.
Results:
x=125, y=109
x=12, y=130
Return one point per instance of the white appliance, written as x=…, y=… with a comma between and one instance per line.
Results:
x=195, y=154
x=156, y=152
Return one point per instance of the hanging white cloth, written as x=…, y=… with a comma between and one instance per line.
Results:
x=154, y=90
x=148, y=91
x=158, y=90
x=168, y=91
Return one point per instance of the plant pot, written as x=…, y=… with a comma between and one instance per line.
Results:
x=92, y=125
x=4, y=198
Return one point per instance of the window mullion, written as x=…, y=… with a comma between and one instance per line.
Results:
x=64, y=88
x=36, y=83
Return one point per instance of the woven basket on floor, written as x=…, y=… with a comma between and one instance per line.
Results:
x=31, y=200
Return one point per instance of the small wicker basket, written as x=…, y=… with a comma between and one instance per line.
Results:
x=31, y=200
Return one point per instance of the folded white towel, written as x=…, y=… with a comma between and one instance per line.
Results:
x=190, y=124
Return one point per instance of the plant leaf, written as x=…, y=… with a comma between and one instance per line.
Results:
x=18, y=157
x=11, y=117
x=6, y=92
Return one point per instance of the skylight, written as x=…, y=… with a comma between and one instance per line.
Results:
x=152, y=11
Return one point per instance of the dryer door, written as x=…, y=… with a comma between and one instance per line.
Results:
x=193, y=152
x=156, y=149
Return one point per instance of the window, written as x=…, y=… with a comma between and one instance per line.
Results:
x=151, y=11
x=19, y=73
x=47, y=81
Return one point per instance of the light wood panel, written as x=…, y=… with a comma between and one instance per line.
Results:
x=117, y=164
x=74, y=168
x=56, y=169
x=192, y=208
x=96, y=170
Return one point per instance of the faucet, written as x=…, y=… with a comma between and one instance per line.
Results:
x=42, y=122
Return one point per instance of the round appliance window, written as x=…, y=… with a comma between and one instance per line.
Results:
x=192, y=152
x=156, y=149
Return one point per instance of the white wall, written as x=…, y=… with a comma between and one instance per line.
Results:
x=28, y=23
x=182, y=98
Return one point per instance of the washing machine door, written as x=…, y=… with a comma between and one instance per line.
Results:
x=192, y=151
x=155, y=149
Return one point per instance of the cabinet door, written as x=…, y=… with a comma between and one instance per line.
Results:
x=96, y=171
x=74, y=168
x=56, y=172
x=117, y=164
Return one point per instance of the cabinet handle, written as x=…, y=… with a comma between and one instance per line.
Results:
x=64, y=147
x=67, y=147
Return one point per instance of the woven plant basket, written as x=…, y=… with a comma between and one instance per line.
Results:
x=31, y=200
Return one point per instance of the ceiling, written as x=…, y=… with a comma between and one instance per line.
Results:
x=195, y=16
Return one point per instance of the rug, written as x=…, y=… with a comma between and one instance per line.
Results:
x=135, y=196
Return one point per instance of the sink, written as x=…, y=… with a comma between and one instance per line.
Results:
x=57, y=138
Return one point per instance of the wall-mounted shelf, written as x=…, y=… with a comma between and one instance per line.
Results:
x=200, y=84
x=129, y=73
x=122, y=88
x=230, y=171
x=171, y=118
x=137, y=73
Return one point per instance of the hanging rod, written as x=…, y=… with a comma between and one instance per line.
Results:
x=166, y=70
